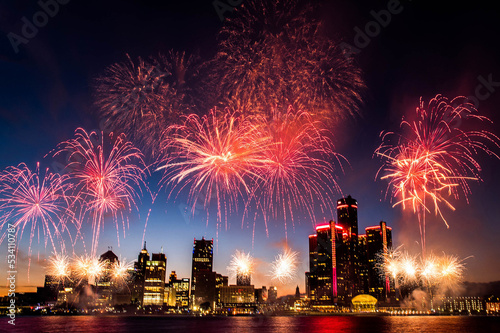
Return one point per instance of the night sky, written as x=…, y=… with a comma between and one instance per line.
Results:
x=45, y=94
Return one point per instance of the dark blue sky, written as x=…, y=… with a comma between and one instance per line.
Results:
x=45, y=94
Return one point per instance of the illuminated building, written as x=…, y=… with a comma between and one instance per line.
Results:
x=492, y=305
x=348, y=254
x=342, y=263
x=364, y=270
x=139, y=275
x=202, y=277
x=237, y=299
x=378, y=242
x=67, y=296
x=237, y=294
x=154, y=280
x=181, y=288
x=323, y=266
x=220, y=281
x=364, y=303
x=243, y=279
x=261, y=295
x=462, y=304
x=272, y=294
x=170, y=296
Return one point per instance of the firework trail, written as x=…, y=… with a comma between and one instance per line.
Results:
x=241, y=264
x=433, y=158
x=59, y=267
x=109, y=177
x=213, y=155
x=275, y=52
x=298, y=167
x=284, y=267
x=39, y=201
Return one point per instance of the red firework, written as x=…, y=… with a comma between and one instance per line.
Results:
x=109, y=176
x=298, y=169
x=434, y=158
x=36, y=200
x=215, y=157
x=275, y=52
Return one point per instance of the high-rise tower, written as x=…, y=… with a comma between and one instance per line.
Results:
x=347, y=218
x=201, y=277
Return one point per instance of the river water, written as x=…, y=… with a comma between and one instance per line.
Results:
x=315, y=324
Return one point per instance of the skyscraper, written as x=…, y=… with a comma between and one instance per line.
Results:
x=139, y=276
x=154, y=280
x=324, y=265
x=342, y=264
x=347, y=218
x=201, y=271
x=378, y=242
x=105, y=287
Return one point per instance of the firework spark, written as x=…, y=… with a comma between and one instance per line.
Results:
x=298, y=169
x=212, y=156
x=241, y=264
x=434, y=158
x=274, y=52
x=120, y=272
x=59, y=267
x=36, y=200
x=141, y=98
x=443, y=273
x=284, y=267
x=109, y=177
x=88, y=269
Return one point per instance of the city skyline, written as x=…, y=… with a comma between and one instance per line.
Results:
x=47, y=95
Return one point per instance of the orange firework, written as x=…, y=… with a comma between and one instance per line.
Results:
x=59, y=267
x=121, y=272
x=434, y=158
x=242, y=264
x=88, y=269
x=109, y=176
x=444, y=272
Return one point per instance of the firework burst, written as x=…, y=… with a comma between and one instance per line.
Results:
x=141, y=98
x=241, y=264
x=35, y=200
x=109, y=177
x=120, y=272
x=59, y=267
x=298, y=169
x=434, y=158
x=275, y=52
x=442, y=273
x=212, y=156
x=88, y=269
x=284, y=267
